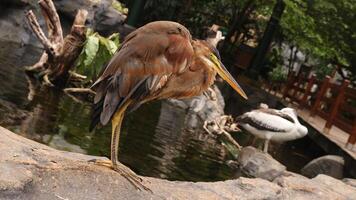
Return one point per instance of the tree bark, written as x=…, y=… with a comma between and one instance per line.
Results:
x=264, y=44
x=59, y=53
x=237, y=21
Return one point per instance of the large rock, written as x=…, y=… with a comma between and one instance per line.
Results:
x=330, y=165
x=320, y=187
x=109, y=22
x=255, y=163
x=101, y=15
x=13, y=26
x=29, y=170
x=350, y=181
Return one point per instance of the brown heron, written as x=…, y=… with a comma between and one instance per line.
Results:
x=157, y=61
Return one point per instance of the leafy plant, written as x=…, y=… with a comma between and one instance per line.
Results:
x=321, y=70
x=119, y=7
x=96, y=52
x=278, y=74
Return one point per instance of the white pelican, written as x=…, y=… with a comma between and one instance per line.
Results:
x=270, y=124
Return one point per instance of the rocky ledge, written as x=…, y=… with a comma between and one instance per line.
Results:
x=29, y=170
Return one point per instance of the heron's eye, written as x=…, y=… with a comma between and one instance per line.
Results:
x=214, y=59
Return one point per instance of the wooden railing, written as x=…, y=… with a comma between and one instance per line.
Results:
x=336, y=103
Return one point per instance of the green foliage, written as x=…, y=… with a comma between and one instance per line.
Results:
x=278, y=74
x=195, y=14
x=119, y=7
x=323, y=28
x=322, y=70
x=275, y=57
x=96, y=52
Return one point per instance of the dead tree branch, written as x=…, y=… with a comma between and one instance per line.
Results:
x=40, y=65
x=220, y=127
x=38, y=31
x=60, y=53
x=55, y=33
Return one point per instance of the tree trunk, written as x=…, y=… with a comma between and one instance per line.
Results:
x=292, y=58
x=59, y=53
x=237, y=21
x=263, y=46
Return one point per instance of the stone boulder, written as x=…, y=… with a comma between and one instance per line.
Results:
x=109, y=22
x=13, y=26
x=350, y=181
x=257, y=164
x=320, y=187
x=102, y=17
x=15, y=2
x=330, y=165
x=29, y=170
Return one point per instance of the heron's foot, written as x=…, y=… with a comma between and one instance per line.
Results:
x=124, y=171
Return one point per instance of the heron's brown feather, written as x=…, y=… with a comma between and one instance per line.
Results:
x=155, y=50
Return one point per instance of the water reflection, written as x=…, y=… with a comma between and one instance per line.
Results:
x=155, y=140
x=186, y=154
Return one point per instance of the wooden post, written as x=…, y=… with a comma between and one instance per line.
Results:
x=352, y=138
x=320, y=95
x=296, y=88
x=335, y=106
x=290, y=82
x=295, y=85
x=304, y=100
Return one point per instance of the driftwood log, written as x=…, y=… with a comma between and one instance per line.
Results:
x=60, y=53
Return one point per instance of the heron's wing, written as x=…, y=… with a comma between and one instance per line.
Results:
x=139, y=68
x=266, y=121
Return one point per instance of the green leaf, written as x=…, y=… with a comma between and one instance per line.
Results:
x=96, y=52
x=109, y=45
x=91, y=48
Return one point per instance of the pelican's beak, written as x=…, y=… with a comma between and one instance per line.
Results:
x=222, y=71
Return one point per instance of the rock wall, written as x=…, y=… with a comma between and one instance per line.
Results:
x=29, y=170
x=102, y=17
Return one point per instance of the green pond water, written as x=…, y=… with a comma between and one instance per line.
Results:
x=154, y=142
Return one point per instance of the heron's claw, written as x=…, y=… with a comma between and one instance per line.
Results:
x=124, y=171
x=106, y=163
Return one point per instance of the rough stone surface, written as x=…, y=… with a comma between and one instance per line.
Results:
x=109, y=21
x=330, y=165
x=350, y=181
x=12, y=25
x=257, y=164
x=321, y=187
x=29, y=170
x=102, y=17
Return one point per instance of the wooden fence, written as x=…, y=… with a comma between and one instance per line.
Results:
x=336, y=103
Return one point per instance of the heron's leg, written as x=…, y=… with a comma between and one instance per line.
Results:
x=265, y=148
x=114, y=163
x=115, y=138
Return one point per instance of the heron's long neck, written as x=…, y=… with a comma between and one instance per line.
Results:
x=208, y=80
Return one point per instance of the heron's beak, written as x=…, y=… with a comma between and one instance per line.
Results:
x=222, y=71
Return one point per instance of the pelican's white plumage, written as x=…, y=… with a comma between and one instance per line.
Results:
x=271, y=124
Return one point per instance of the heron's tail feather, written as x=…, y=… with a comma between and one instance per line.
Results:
x=95, y=114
